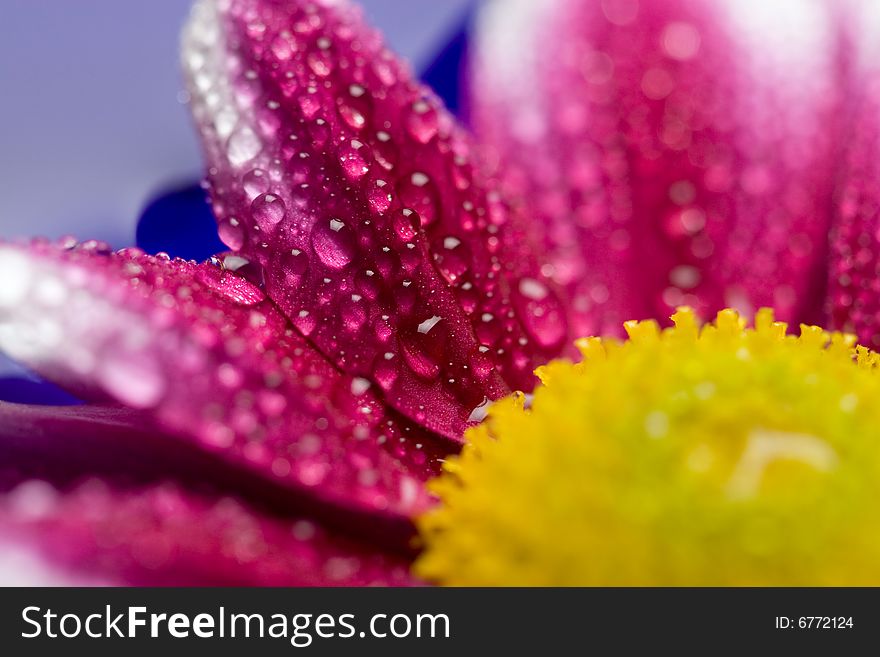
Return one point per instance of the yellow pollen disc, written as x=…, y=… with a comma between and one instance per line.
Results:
x=695, y=455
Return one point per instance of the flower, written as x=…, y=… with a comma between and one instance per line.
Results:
x=271, y=416
x=706, y=456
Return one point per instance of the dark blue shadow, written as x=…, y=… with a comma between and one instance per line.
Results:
x=180, y=223
x=28, y=391
x=446, y=74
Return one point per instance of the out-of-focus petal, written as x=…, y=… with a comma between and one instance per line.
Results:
x=65, y=444
x=163, y=534
x=352, y=186
x=200, y=350
x=675, y=151
x=854, y=274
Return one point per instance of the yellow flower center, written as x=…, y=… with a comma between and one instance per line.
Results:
x=713, y=455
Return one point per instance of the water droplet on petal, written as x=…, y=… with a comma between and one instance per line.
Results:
x=333, y=243
x=255, y=182
x=422, y=122
x=541, y=313
x=268, y=211
x=231, y=233
x=406, y=224
x=418, y=192
x=243, y=146
x=354, y=157
x=135, y=379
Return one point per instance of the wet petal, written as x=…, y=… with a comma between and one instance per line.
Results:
x=331, y=167
x=676, y=152
x=167, y=535
x=199, y=349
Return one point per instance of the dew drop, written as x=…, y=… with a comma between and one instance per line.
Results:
x=15, y=277
x=406, y=224
x=532, y=289
x=541, y=313
x=333, y=243
x=255, y=182
x=135, y=379
x=379, y=196
x=243, y=146
x=422, y=122
x=385, y=373
x=419, y=360
x=359, y=386
x=268, y=211
x=418, y=192
x=231, y=234
x=230, y=286
x=283, y=47
x=354, y=157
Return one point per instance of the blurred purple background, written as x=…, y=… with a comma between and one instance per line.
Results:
x=91, y=126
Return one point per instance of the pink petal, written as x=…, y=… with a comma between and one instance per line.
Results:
x=675, y=151
x=166, y=535
x=854, y=275
x=199, y=350
x=353, y=187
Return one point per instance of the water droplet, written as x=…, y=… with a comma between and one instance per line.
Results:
x=422, y=122
x=379, y=196
x=243, y=146
x=333, y=243
x=231, y=286
x=295, y=266
x=685, y=276
x=453, y=258
x=255, y=182
x=359, y=386
x=532, y=289
x=681, y=41
x=354, y=157
x=135, y=379
x=418, y=192
x=385, y=372
x=268, y=211
x=481, y=365
x=420, y=363
x=354, y=315
x=541, y=313
x=283, y=47
x=231, y=234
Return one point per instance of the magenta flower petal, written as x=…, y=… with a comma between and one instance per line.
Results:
x=199, y=349
x=678, y=151
x=379, y=235
x=854, y=274
x=163, y=534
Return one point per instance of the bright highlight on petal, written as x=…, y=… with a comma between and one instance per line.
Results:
x=696, y=455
